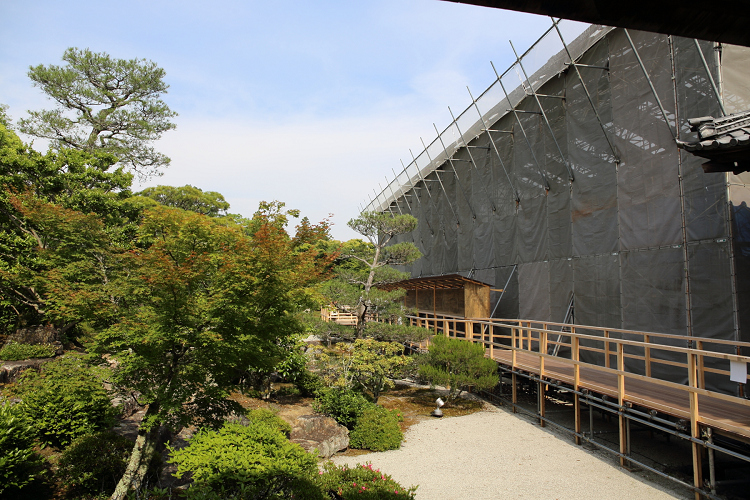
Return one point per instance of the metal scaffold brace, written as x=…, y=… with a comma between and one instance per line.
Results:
x=576, y=67
x=544, y=115
x=450, y=161
x=513, y=109
x=494, y=146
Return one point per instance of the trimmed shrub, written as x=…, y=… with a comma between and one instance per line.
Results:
x=64, y=400
x=19, y=465
x=269, y=417
x=308, y=383
x=377, y=430
x=14, y=351
x=94, y=463
x=361, y=482
x=458, y=365
x=253, y=461
x=343, y=405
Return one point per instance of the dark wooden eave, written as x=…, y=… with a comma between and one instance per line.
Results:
x=725, y=141
x=445, y=282
x=726, y=22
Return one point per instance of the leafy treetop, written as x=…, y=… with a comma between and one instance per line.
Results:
x=103, y=104
x=189, y=198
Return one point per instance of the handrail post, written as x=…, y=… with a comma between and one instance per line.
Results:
x=492, y=341
x=575, y=354
x=542, y=385
x=701, y=373
x=621, y=401
x=647, y=355
x=695, y=421
x=606, y=349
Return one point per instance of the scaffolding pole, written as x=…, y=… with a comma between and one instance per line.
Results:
x=450, y=161
x=523, y=131
x=419, y=202
x=447, y=198
x=650, y=83
x=401, y=187
x=492, y=141
x=544, y=115
x=471, y=158
x=586, y=91
x=710, y=78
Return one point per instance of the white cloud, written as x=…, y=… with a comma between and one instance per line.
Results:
x=319, y=166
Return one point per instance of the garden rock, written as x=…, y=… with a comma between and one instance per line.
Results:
x=39, y=334
x=10, y=370
x=316, y=432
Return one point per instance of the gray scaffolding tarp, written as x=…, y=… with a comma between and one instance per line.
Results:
x=642, y=238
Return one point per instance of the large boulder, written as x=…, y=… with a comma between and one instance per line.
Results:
x=10, y=370
x=316, y=432
x=38, y=334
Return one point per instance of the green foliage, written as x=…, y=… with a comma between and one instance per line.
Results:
x=325, y=331
x=377, y=430
x=201, y=301
x=376, y=226
x=458, y=364
x=374, y=365
x=14, y=351
x=103, y=104
x=395, y=332
x=189, y=198
x=4, y=118
x=19, y=465
x=343, y=405
x=64, y=217
x=361, y=482
x=64, y=400
x=293, y=368
x=256, y=460
x=308, y=384
x=270, y=418
x=367, y=265
x=94, y=463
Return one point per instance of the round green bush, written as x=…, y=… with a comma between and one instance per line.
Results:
x=64, y=400
x=343, y=405
x=269, y=417
x=308, y=383
x=361, y=482
x=19, y=465
x=94, y=463
x=14, y=351
x=252, y=461
x=377, y=430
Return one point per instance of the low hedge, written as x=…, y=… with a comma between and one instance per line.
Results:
x=377, y=430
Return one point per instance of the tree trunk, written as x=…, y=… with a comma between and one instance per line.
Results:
x=143, y=450
x=361, y=320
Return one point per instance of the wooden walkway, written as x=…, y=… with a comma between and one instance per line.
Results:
x=730, y=417
x=534, y=347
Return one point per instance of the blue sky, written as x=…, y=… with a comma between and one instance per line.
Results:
x=310, y=103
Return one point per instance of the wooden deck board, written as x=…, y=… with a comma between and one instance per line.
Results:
x=729, y=417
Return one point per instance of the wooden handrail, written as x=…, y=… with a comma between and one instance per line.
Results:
x=526, y=340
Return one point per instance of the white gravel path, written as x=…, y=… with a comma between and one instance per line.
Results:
x=461, y=458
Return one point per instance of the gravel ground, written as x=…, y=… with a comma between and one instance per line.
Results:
x=458, y=458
